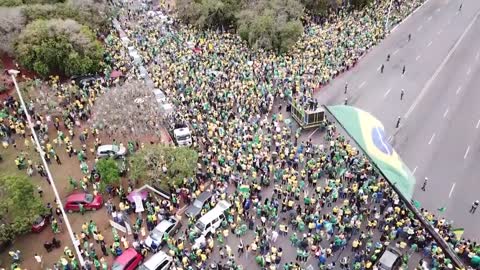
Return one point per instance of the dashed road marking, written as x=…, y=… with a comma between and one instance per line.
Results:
x=431, y=139
x=414, y=170
x=362, y=84
x=438, y=10
x=379, y=67
x=429, y=18
x=395, y=52
x=390, y=139
x=445, y=113
x=449, y=21
x=469, y=71
x=386, y=93
x=478, y=124
x=439, y=32
x=419, y=28
x=418, y=57
x=458, y=90
x=428, y=45
x=451, y=190
x=477, y=56
x=466, y=152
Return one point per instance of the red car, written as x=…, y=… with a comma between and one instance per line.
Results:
x=89, y=202
x=41, y=223
x=129, y=260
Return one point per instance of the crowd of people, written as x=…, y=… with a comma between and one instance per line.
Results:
x=326, y=200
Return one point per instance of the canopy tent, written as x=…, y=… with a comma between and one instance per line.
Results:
x=369, y=133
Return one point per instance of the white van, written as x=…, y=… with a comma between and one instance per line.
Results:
x=209, y=222
x=159, y=261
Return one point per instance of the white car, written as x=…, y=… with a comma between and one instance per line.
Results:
x=159, y=261
x=111, y=150
x=167, y=226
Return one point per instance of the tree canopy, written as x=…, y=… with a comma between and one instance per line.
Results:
x=138, y=116
x=63, y=46
x=109, y=172
x=149, y=165
x=209, y=13
x=19, y=206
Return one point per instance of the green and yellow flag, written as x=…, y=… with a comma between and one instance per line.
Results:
x=458, y=232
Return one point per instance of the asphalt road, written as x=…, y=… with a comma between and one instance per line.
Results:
x=439, y=134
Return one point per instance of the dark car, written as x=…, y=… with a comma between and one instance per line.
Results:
x=40, y=223
x=87, y=80
x=390, y=260
x=193, y=211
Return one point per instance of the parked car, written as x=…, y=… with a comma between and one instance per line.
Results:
x=129, y=260
x=193, y=211
x=159, y=261
x=111, y=150
x=89, y=202
x=390, y=260
x=167, y=226
x=41, y=222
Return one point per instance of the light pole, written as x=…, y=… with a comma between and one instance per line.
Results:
x=13, y=73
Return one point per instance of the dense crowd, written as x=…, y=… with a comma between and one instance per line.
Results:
x=323, y=198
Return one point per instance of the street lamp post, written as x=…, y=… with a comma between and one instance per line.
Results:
x=13, y=73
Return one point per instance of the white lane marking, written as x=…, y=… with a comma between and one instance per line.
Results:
x=431, y=139
x=445, y=113
x=430, y=18
x=386, y=93
x=449, y=21
x=390, y=138
x=478, y=124
x=468, y=71
x=428, y=45
x=439, y=32
x=404, y=20
x=418, y=57
x=451, y=190
x=379, y=67
x=311, y=134
x=438, y=10
x=466, y=152
x=414, y=170
x=419, y=28
x=362, y=84
x=440, y=67
x=458, y=90
x=476, y=56
x=395, y=52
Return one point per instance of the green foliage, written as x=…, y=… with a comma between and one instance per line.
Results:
x=87, y=13
x=147, y=164
x=318, y=7
x=63, y=46
x=359, y=4
x=12, y=22
x=13, y=3
x=209, y=13
x=109, y=172
x=273, y=25
x=18, y=207
x=10, y=3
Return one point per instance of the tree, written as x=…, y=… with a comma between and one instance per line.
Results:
x=139, y=114
x=12, y=22
x=273, y=25
x=208, y=13
x=109, y=172
x=318, y=7
x=19, y=206
x=149, y=163
x=87, y=12
x=63, y=46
